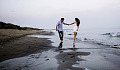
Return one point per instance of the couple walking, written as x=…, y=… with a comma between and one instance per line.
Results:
x=59, y=28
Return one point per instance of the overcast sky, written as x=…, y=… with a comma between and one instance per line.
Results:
x=46, y=13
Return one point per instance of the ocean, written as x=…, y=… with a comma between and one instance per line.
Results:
x=105, y=37
x=108, y=37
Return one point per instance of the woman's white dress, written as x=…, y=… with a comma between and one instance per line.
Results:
x=75, y=28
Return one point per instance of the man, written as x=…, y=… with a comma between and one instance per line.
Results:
x=59, y=28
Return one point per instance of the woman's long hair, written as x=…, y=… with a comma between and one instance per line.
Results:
x=78, y=21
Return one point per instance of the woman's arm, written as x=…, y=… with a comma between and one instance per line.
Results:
x=77, y=28
x=72, y=23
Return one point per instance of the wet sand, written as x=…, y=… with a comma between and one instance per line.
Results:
x=86, y=56
x=15, y=43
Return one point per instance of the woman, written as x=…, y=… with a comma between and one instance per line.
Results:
x=76, y=27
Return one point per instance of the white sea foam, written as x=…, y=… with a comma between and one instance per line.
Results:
x=113, y=34
x=117, y=34
x=78, y=66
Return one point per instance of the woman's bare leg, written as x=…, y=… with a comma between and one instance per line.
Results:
x=75, y=36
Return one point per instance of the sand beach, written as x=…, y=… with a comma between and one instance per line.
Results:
x=42, y=50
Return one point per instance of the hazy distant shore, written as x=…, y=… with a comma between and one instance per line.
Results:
x=9, y=31
x=10, y=34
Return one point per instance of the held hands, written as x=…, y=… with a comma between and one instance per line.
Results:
x=70, y=24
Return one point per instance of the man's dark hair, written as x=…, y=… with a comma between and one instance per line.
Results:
x=62, y=18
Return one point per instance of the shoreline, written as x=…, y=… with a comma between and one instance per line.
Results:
x=18, y=45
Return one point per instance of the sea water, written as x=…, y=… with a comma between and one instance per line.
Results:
x=107, y=37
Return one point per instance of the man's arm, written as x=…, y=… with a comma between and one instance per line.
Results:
x=56, y=28
x=57, y=25
x=65, y=24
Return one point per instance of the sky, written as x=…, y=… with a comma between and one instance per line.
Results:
x=45, y=14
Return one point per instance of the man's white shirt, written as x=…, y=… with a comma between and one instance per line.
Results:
x=60, y=25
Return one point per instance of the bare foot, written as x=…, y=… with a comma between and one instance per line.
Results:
x=74, y=45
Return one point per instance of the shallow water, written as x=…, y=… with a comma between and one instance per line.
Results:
x=42, y=61
x=89, y=36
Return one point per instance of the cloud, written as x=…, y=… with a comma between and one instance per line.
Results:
x=50, y=7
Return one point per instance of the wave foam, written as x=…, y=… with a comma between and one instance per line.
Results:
x=101, y=43
x=116, y=34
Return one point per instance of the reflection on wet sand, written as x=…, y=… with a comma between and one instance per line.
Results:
x=66, y=60
x=60, y=45
x=73, y=45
